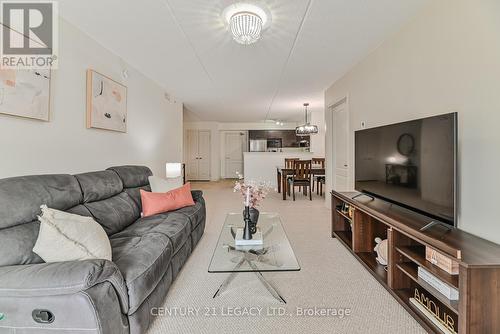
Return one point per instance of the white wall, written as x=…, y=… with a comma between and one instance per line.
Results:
x=446, y=59
x=64, y=145
x=318, y=140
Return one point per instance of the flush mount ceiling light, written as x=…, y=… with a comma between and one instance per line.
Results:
x=307, y=129
x=246, y=22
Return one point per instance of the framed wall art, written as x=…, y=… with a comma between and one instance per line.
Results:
x=106, y=103
x=25, y=93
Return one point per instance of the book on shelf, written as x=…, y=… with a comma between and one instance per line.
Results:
x=425, y=312
x=441, y=261
x=444, y=288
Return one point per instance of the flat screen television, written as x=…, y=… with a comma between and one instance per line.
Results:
x=411, y=164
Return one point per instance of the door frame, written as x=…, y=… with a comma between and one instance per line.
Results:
x=331, y=109
x=223, y=151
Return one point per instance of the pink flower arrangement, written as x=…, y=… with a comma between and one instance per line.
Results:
x=258, y=191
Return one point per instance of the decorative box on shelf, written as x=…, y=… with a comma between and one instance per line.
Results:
x=442, y=261
x=256, y=240
x=448, y=291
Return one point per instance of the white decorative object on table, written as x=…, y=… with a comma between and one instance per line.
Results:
x=255, y=241
x=247, y=200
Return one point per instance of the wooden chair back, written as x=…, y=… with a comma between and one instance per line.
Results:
x=318, y=161
x=302, y=170
x=289, y=162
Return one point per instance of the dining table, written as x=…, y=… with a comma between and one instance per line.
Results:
x=282, y=172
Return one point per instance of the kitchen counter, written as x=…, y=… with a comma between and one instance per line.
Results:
x=261, y=166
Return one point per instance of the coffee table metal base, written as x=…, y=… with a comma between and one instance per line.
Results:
x=264, y=282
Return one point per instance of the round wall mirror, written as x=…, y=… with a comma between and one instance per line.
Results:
x=406, y=144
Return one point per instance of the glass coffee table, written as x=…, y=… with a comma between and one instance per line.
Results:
x=276, y=254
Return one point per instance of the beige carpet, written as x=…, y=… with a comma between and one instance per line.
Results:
x=330, y=278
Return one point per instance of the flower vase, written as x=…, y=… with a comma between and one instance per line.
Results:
x=254, y=218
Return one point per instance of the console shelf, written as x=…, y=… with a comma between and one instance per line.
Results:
x=344, y=215
x=410, y=270
x=378, y=270
x=417, y=255
x=345, y=237
x=478, y=306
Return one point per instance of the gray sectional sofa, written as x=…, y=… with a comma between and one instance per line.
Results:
x=92, y=296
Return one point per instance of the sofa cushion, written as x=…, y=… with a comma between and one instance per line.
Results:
x=197, y=234
x=80, y=210
x=16, y=244
x=133, y=176
x=114, y=213
x=195, y=213
x=173, y=225
x=101, y=185
x=143, y=260
x=20, y=200
x=135, y=194
x=21, y=197
x=180, y=258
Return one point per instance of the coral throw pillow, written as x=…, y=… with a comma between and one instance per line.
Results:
x=154, y=203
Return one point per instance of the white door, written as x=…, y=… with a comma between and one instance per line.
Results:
x=204, y=155
x=192, y=155
x=341, y=147
x=234, y=146
x=198, y=155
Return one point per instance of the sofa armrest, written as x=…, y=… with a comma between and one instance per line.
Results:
x=61, y=278
x=197, y=195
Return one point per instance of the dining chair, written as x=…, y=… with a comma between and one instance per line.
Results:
x=318, y=178
x=289, y=164
x=321, y=183
x=301, y=177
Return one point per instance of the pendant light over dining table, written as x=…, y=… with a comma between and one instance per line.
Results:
x=307, y=128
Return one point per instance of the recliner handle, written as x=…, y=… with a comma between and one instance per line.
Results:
x=43, y=316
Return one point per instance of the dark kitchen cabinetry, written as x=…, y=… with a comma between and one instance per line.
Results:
x=275, y=138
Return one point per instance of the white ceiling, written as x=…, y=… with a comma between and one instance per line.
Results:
x=185, y=47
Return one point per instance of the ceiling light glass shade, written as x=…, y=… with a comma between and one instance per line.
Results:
x=246, y=27
x=307, y=129
x=246, y=21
